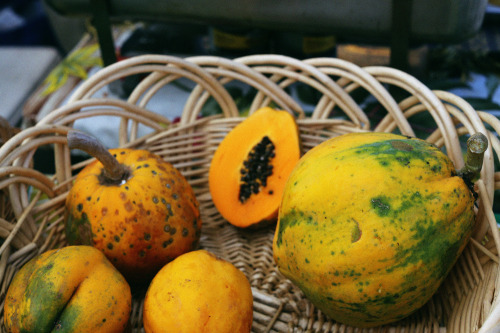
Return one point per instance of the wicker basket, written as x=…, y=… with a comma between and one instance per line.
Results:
x=33, y=223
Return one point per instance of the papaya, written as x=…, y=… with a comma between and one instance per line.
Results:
x=198, y=292
x=250, y=166
x=72, y=289
x=135, y=207
x=371, y=223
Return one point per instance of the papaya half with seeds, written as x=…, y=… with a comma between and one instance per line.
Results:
x=251, y=165
x=72, y=289
x=371, y=224
x=132, y=205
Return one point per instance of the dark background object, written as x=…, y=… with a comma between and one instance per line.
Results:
x=398, y=23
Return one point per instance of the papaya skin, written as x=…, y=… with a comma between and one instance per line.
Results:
x=370, y=225
x=72, y=289
x=198, y=292
x=140, y=221
x=225, y=173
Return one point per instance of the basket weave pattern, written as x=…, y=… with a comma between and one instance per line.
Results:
x=32, y=205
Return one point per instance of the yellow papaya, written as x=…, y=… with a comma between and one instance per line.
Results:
x=141, y=218
x=370, y=224
x=72, y=289
x=199, y=292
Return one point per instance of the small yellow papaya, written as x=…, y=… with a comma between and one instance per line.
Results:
x=198, y=292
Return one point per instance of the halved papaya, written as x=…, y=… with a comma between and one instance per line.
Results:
x=250, y=167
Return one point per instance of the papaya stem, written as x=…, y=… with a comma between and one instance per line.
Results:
x=113, y=170
x=476, y=146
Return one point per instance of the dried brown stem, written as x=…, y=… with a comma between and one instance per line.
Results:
x=113, y=170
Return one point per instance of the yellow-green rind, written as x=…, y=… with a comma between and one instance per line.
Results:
x=371, y=224
x=73, y=289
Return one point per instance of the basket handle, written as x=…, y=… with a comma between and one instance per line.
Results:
x=159, y=70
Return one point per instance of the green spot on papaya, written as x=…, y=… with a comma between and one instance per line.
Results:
x=403, y=160
x=436, y=168
x=78, y=230
x=289, y=220
x=384, y=163
x=381, y=205
x=70, y=316
x=435, y=248
x=389, y=299
x=402, y=151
